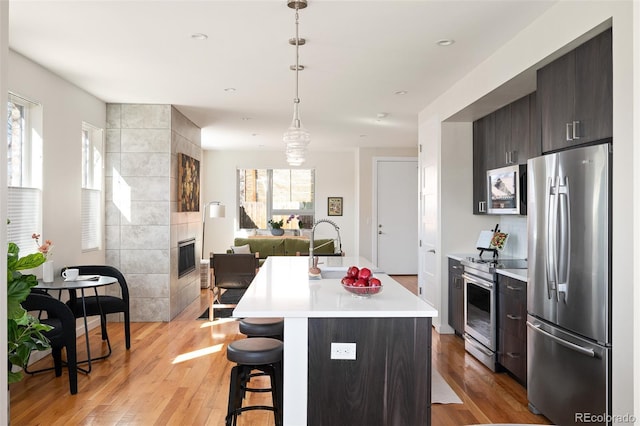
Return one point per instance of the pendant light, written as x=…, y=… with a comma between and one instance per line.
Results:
x=296, y=138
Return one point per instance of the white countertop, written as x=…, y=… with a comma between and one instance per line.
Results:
x=282, y=288
x=518, y=274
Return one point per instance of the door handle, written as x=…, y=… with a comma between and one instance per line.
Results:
x=431, y=251
x=572, y=346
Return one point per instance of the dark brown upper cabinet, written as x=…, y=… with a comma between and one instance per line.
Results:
x=504, y=137
x=575, y=96
x=513, y=140
x=483, y=137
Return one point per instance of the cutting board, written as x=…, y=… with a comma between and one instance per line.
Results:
x=489, y=240
x=484, y=240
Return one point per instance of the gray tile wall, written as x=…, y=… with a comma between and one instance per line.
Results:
x=143, y=226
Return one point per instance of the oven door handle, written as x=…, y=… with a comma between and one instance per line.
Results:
x=483, y=284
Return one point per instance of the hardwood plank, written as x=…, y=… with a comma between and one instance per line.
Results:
x=178, y=373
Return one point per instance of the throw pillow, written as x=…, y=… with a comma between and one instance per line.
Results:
x=241, y=249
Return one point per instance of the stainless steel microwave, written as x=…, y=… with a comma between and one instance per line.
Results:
x=507, y=190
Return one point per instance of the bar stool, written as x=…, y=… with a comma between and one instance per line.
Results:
x=258, y=353
x=262, y=327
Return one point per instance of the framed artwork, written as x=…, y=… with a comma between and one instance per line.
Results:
x=334, y=206
x=188, y=184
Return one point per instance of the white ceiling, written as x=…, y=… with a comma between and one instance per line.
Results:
x=358, y=55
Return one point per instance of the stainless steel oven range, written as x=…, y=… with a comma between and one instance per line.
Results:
x=480, y=303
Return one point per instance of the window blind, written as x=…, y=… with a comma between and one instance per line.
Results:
x=91, y=200
x=24, y=207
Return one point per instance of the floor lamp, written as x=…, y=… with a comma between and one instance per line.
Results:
x=216, y=209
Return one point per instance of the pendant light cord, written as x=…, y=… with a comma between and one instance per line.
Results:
x=296, y=100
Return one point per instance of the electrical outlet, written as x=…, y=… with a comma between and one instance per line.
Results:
x=343, y=351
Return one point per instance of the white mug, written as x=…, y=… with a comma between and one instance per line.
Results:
x=70, y=274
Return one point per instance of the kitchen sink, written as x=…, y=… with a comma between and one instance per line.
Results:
x=333, y=274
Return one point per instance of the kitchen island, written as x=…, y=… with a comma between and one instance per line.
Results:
x=389, y=382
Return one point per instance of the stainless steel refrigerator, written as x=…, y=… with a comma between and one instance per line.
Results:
x=569, y=288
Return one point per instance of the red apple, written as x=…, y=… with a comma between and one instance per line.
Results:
x=353, y=272
x=365, y=273
x=360, y=282
x=374, y=282
x=348, y=280
x=374, y=290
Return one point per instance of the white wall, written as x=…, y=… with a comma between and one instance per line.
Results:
x=4, y=55
x=335, y=177
x=528, y=49
x=64, y=108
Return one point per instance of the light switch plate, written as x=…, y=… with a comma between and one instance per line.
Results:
x=343, y=351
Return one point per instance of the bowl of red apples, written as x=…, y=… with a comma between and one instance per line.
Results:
x=361, y=282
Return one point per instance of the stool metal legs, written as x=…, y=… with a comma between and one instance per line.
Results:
x=238, y=386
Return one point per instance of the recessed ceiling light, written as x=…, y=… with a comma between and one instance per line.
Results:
x=245, y=118
x=445, y=42
x=230, y=89
x=401, y=92
x=199, y=36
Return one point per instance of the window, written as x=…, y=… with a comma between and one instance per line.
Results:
x=92, y=173
x=276, y=194
x=24, y=172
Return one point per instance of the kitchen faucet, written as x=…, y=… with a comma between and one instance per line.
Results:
x=314, y=271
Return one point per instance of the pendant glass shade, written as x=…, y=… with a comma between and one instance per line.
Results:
x=296, y=138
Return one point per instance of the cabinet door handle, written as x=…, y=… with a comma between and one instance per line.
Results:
x=514, y=317
x=506, y=157
x=575, y=130
x=482, y=206
x=513, y=354
x=510, y=287
x=569, y=128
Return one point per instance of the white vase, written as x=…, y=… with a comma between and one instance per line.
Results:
x=47, y=271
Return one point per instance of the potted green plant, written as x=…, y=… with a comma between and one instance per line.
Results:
x=24, y=331
x=276, y=227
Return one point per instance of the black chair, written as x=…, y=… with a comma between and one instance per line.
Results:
x=230, y=272
x=63, y=334
x=107, y=304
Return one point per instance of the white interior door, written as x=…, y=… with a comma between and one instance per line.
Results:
x=396, y=242
x=428, y=282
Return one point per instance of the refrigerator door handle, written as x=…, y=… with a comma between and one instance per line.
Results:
x=572, y=346
x=551, y=249
x=564, y=265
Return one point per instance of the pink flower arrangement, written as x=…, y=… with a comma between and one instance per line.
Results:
x=45, y=248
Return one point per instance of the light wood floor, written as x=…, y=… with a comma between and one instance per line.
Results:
x=177, y=373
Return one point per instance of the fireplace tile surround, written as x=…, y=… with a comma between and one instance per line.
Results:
x=143, y=226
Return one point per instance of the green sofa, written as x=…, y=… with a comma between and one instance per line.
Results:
x=284, y=246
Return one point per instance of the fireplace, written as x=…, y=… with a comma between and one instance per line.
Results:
x=186, y=257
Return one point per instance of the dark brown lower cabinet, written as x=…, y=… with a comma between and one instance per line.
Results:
x=512, y=326
x=456, y=296
x=388, y=384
